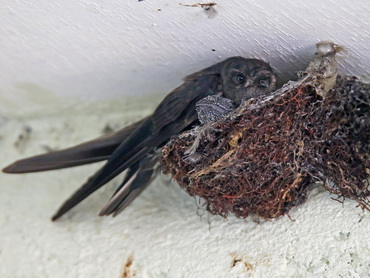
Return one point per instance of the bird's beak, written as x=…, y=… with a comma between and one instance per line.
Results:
x=249, y=83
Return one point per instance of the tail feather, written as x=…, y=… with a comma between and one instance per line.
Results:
x=135, y=182
x=89, y=152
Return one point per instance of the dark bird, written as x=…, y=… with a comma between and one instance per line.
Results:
x=136, y=147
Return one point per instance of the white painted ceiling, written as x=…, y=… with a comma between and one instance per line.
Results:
x=111, y=49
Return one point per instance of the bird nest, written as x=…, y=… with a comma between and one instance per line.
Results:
x=264, y=158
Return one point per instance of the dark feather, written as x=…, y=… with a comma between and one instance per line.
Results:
x=147, y=137
x=136, y=180
x=89, y=152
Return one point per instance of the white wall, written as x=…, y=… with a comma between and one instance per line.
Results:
x=111, y=49
x=53, y=54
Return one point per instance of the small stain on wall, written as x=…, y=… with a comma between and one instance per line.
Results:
x=127, y=268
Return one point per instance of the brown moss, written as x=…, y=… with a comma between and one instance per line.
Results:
x=262, y=160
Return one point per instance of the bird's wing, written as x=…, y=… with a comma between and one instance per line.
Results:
x=150, y=134
x=175, y=102
x=92, y=151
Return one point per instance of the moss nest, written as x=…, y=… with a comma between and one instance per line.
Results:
x=264, y=158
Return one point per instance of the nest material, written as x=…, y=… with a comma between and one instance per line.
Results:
x=262, y=159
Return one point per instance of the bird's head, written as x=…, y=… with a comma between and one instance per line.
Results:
x=246, y=78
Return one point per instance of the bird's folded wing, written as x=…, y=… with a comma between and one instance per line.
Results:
x=147, y=136
x=119, y=161
x=200, y=85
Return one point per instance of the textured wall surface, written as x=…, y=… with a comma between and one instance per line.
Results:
x=105, y=49
x=70, y=68
x=161, y=232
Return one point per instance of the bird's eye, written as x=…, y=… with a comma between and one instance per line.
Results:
x=239, y=78
x=264, y=83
